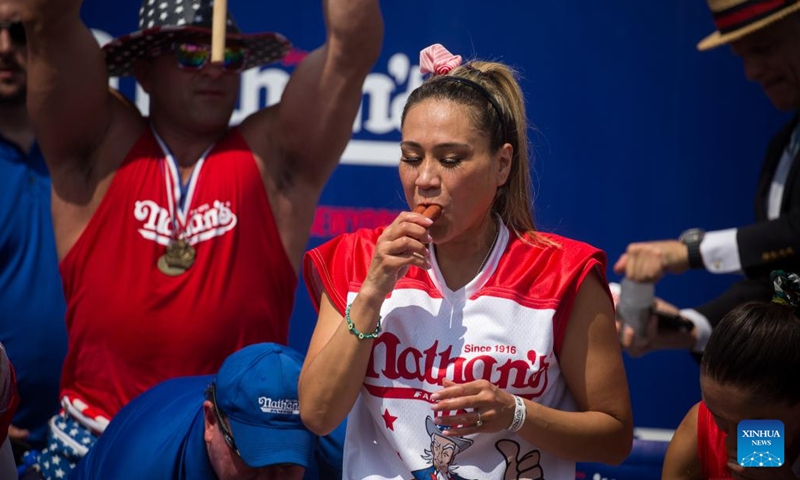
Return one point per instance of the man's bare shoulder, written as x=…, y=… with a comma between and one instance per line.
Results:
x=260, y=129
x=90, y=165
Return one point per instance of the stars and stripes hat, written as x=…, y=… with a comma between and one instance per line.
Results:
x=736, y=18
x=163, y=22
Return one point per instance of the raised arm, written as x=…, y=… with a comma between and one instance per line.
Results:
x=316, y=113
x=298, y=143
x=337, y=360
x=83, y=128
x=68, y=95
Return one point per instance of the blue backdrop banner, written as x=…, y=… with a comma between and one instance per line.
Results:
x=637, y=135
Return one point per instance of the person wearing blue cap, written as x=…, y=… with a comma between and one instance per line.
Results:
x=243, y=423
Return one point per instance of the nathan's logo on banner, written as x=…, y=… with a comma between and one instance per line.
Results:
x=384, y=95
x=760, y=443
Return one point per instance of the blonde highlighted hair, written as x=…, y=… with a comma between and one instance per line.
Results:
x=497, y=107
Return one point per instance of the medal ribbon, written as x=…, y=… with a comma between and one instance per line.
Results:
x=179, y=195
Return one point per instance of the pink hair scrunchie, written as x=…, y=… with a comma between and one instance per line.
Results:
x=437, y=60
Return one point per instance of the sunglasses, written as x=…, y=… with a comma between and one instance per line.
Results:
x=226, y=434
x=15, y=30
x=194, y=57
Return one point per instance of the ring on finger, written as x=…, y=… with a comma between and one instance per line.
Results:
x=479, y=423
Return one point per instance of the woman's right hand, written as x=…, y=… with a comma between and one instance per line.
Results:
x=402, y=244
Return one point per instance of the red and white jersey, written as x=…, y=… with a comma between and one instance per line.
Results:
x=130, y=326
x=506, y=326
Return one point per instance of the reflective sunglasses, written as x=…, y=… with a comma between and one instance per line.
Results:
x=15, y=31
x=226, y=434
x=194, y=57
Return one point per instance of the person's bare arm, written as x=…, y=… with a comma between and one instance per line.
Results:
x=299, y=141
x=649, y=261
x=68, y=95
x=681, y=461
x=591, y=362
x=328, y=389
x=84, y=130
x=337, y=360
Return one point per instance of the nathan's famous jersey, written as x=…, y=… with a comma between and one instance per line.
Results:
x=130, y=324
x=506, y=326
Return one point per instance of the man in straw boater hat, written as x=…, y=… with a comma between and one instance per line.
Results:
x=766, y=35
x=179, y=238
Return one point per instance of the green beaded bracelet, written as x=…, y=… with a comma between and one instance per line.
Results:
x=352, y=327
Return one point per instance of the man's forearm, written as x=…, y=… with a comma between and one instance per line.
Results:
x=355, y=28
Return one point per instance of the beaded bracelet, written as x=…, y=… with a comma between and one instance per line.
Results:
x=352, y=327
x=520, y=412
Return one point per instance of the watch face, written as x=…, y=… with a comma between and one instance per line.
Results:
x=693, y=235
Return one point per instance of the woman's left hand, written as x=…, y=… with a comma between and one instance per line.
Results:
x=481, y=407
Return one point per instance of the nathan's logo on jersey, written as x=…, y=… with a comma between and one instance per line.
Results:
x=283, y=405
x=202, y=223
x=393, y=361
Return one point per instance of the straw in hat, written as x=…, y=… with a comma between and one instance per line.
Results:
x=737, y=18
x=162, y=22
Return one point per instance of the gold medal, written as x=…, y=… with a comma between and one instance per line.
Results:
x=180, y=255
x=178, y=258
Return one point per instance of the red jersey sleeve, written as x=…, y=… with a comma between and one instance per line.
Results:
x=339, y=266
x=576, y=261
x=562, y=316
x=711, y=450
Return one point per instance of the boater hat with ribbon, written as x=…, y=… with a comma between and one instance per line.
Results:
x=737, y=18
x=164, y=22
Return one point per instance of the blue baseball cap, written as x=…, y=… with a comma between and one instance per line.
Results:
x=256, y=389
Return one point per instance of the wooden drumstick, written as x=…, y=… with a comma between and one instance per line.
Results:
x=431, y=211
x=218, y=32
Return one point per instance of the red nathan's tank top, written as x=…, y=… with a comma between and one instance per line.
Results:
x=131, y=326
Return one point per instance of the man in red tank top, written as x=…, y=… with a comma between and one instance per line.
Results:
x=180, y=238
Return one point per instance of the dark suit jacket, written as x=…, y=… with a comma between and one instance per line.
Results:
x=767, y=244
